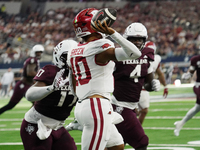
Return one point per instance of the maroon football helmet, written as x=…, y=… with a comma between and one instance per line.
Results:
x=82, y=22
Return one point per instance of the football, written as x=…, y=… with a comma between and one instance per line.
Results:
x=107, y=14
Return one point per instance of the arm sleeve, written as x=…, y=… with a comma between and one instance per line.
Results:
x=37, y=93
x=131, y=51
x=70, y=82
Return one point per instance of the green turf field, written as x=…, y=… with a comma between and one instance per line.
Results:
x=158, y=124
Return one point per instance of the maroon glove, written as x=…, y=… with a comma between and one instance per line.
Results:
x=165, y=92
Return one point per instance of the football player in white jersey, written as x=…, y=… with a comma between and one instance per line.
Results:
x=92, y=67
x=143, y=104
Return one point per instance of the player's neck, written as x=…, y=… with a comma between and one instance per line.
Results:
x=92, y=37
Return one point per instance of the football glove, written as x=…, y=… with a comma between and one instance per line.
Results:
x=58, y=81
x=165, y=92
x=155, y=85
x=186, y=76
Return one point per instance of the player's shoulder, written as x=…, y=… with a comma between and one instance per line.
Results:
x=148, y=52
x=46, y=74
x=50, y=66
x=195, y=58
x=157, y=58
x=31, y=60
x=51, y=69
x=102, y=43
x=98, y=46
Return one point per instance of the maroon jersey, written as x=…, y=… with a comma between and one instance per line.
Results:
x=58, y=104
x=30, y=60
x=195, y=62
x=130, y=76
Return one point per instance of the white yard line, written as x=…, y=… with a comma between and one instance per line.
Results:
x=20, y=119
x=10, y=129
x=166, y=104
x=175, y=109
x=16, y=119
x=192, y=145
x=172, y=99
x=169, y=117
x=149, y=128
x=169, y=128
x=16, y=112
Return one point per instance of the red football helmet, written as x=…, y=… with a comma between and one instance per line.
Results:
x=82, y=22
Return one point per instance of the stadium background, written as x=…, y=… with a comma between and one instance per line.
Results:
x=174, y=25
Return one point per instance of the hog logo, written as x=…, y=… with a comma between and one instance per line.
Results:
x=105, y=45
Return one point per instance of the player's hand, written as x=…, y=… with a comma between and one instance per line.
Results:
x=103, y=28
x=155, y=85
x=165, y=92
x=59, y=81
x=186, y=76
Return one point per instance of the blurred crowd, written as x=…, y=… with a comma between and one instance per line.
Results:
x=173, y=25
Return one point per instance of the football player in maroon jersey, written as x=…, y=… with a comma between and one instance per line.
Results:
x=194, y=66
x=42, y=126
x=30, y=68
x=130, y=76
x=144, y=101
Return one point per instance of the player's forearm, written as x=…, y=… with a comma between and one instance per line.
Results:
x=162, y=80
x=38, y=93
x=128, y=51
x=72, y=82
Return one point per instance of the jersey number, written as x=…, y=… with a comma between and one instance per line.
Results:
x=63, y=93
x=136, y=73
x=81, y=70
x=63, y=97
x=40, y=72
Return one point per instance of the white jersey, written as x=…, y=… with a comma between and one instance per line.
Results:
x=156, y=62
x=92, y=78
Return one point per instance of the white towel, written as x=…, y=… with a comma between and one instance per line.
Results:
x=117, y=118
x=43, y=131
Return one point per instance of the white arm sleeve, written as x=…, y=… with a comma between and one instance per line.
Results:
x=37, y=93
x=132, y=52
x=70, y=82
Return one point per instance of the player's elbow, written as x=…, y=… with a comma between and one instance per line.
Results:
x=29, y=96
x=135, y=55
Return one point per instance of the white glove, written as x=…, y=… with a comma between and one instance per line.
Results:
x=186, y=76
x=58, y=81
x=155, y=85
